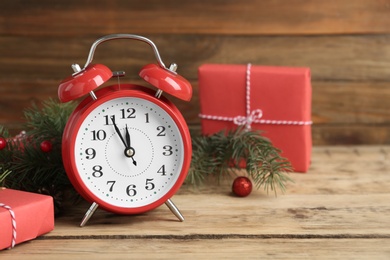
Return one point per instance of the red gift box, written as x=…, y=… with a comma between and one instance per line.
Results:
x=274, y=100
x=24, y=216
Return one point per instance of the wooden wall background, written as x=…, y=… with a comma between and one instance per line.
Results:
x=346, y=43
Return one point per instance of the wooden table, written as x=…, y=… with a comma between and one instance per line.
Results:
x=340, y=209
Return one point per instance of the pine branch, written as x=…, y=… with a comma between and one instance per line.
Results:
x=30, y=168
x=49, y=122
x=221, y=154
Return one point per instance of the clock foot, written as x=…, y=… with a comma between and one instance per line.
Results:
x=89, y=214
x=174, y=209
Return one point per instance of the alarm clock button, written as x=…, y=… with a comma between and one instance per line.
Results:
x=169, y=82
x=83, y=82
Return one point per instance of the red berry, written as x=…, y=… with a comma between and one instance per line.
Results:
x=3, y=143
x=242, y=186
x=46, y=146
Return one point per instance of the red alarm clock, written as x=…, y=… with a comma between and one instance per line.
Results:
x=126, y=148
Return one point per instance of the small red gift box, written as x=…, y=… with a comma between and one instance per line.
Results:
x=24, y=216
x=274, y=100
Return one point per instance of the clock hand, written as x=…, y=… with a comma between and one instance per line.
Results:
x=129, y=152
x=118, y=131
x=127, y=138
x=134, y=162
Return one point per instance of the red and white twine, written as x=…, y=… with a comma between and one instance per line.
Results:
x=253, y=116
x=13, y=220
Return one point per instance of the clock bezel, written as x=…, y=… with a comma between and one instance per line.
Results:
x=86, y=107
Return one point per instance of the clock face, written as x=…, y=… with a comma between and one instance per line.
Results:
x=128, y=152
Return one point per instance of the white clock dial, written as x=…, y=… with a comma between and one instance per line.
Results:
x=134, y=169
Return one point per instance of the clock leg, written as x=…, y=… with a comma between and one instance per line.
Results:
x=174, y=209
x=89, y=214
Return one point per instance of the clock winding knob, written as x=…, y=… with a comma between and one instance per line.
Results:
x=76, y=68
x=173, y=67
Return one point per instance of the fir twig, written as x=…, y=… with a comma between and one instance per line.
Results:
x=223, y=153
x=29, y=168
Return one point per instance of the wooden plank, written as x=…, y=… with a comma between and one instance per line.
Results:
x=331, y=58
x=250, y=17
x=224, y=248
x=350, y=102
x=349, y=134
x=291, y=214
x=351, y=170
x=371, y=154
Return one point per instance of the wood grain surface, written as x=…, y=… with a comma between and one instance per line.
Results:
x=207, y=17
x=338, y=210
x=345, y=44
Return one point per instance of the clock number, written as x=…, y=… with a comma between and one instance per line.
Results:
x=161, y=130
x=168, y=150
x=162, y=170
x=147, y=118
x=149, y=184
x=130, y=190
x=97, y=171
x=91, y=153
x=129, y=113
x=98, y=135
x=108, y=119
x=112, y=185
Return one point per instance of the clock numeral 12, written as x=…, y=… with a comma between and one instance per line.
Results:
x=129, y=113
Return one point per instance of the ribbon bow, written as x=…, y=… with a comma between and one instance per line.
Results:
x=248, y=120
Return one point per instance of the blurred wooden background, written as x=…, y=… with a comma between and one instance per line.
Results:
x=346, y=43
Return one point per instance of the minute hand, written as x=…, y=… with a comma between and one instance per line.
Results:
x=118, y=131
x=127, y=135
x=129, y=150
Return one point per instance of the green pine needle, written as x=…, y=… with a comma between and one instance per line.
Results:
x=25, y=166
x=221, y=154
